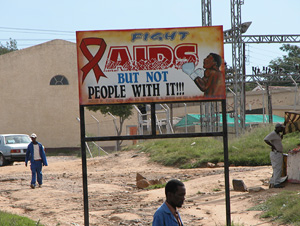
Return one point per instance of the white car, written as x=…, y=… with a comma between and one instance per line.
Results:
x=13, y=148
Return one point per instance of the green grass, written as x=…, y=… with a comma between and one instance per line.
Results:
x=282, y=208
x=248, y=150
x=236, y=224
x=15, y=220
x=156, y=186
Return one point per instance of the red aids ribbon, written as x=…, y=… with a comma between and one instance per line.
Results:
x=93, y=60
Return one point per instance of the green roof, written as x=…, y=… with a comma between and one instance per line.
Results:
x=194, y=119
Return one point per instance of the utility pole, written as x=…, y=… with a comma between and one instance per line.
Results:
x=237, y=65
x=210, y=114
x=209, y=108
x=270, y=110
x=206, y=12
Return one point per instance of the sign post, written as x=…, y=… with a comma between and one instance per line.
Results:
x=140, y=66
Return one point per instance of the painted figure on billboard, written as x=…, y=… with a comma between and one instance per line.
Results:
x=209, y=80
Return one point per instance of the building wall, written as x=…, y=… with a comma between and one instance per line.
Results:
x=29, y=104
x=283, y=99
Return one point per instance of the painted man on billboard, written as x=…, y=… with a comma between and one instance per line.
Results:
x=209, y=81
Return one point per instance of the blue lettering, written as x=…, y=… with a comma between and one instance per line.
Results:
x=159, y=36
x=121, y=78
x=183, y=34
x=170, y=36
x=157, y=76
x=131, y=77
x=135, y=36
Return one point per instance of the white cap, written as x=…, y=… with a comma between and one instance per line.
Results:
x=33, y=135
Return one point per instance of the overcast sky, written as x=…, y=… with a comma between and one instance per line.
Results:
x=32, y=22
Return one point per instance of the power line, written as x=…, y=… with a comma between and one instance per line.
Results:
x=264, y=49
x=33, y=40
x=41, y=33
x=262, y=54
x=39, y=30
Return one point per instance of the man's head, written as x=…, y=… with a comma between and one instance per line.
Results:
x=279, y=127
x=217, y=58
x=213, y=60
x=33, y=137
x=175, y=193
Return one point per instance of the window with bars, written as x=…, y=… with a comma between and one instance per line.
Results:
x=59, y=80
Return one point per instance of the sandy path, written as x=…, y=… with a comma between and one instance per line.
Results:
x=114, y=198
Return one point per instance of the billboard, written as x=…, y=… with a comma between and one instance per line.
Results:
x=150, y=65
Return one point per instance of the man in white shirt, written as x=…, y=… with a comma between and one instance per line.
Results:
x=274, y=139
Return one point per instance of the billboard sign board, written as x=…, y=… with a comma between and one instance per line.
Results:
x=150, y=65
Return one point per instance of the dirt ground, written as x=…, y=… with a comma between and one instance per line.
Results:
x=114, y=198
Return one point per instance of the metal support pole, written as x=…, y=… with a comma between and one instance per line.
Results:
x=153, y=119
x=140, y=120
x=237, y=63
x=217, y=117
x=226, y=163
x=186, y=119
x=206, y=12
x=270, y=110
x=207, y=21
x=84, y=167
x=296, y=91
x=116, y=127
x=98, y=124
x=244, y=89
x=201, y=117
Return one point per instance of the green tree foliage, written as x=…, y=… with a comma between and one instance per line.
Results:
x=289, y=63
x=122, y=111
x=10, y=46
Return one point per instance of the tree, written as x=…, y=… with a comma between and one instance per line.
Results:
x=122, y=111
x=10, y=46
x=288, y=64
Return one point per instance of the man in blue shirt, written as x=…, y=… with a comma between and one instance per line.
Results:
x=167, y=214
x=36, y=155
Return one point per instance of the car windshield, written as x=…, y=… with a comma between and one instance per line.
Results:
x=17, y=139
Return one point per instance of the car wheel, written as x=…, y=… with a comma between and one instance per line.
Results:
x=2, y=160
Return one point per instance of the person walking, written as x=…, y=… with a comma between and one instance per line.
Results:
x=274, y=139
x=36, y=155
x=167, y=214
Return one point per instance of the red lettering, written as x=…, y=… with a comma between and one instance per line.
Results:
x=118, y=58
x=185, y=53
x=140, y=53
x=161, y=54
x=150, y=57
